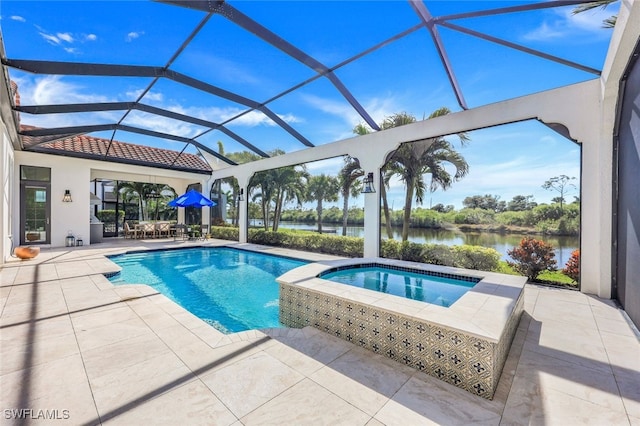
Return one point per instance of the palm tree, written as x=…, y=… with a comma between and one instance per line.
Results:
x=362, y=129
x=138, y=191
x=290, y=186
x=349, y=185
x=396, y=120
x=322, y=188
x=610, y=22
x=157, y=192
x=142, y=192
x=385, y=183
x=262, y=188
x=413, y=160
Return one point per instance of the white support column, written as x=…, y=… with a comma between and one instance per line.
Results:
x=243, y=210
x=372, y=218
x=596, y=265
x=180, y=189
x=372, y=164
x=205, y=219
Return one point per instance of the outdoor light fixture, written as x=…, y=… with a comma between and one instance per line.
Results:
x=67, y=196
x=368, y=184
x=241, y=195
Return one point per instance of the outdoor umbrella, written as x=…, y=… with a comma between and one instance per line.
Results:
x=191, y=198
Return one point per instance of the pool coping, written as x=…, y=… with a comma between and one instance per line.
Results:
x=483, y=311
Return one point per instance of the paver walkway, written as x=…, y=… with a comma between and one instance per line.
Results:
x=77, y=348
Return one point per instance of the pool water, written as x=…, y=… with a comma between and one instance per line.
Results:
x=442, y=291
x=233, y=290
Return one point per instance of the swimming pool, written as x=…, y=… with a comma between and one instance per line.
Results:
x=407, y=283
x=233, y=290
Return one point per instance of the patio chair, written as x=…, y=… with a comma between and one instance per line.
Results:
x=130, y=232
x=148, y=228
x=163, y=229
x=204, y=232
x=180, y=232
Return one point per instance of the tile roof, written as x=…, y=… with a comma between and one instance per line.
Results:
x=85, y=146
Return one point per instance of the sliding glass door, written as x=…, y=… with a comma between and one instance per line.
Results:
x=35, y=206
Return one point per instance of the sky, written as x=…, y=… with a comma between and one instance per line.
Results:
x=403, y=76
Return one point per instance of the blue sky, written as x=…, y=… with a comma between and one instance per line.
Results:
x=403, y=76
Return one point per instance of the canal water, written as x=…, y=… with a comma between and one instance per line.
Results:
x=563, y=246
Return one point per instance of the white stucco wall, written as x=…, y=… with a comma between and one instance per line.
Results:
x=597, y=244
x=75, y=174
x=7, y=190
x=66, y=173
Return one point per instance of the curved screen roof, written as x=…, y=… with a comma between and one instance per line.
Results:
x=199, y=76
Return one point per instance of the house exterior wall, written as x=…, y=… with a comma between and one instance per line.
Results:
x=66, y=173
x=75, y=175
x=7, y=190
x=597, y=242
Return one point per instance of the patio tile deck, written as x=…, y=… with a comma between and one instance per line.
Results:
x=127, y=355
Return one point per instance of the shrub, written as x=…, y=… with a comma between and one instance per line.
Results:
x=411, y=251
x=474, y=217
x=532, y=257
x=572, y=268
x=438, y=254
x=474, y=257
x=548, y=212
x=224, y=233
x=268, y=238
x=109, y=216
x=512, y=218
x=470, y=257
x=309, y=241
x=390, y=249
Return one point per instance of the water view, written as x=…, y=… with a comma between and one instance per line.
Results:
x=501, y=242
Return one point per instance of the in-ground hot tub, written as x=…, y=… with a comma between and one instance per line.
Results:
x=465, y=344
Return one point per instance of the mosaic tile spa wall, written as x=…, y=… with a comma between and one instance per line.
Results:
x=463, y=360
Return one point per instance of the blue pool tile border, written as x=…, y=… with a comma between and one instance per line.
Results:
x=157, y=249
x=466, y=278
x=305, y=261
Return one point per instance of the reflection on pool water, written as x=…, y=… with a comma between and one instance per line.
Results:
x=233, y=290
x=421, y=286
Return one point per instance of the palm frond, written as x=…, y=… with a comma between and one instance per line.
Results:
x=592, y=5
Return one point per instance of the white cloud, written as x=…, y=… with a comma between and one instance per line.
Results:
x=51, y=39
x=55, y=90
x=18, y=18
x=65, y=37
x=250, y=119
x=330, y=166
x=219, y=115
x=378, y=109
x=545, y=31
x=162, y=124
x=563, y=23
x=91, y=37
x=62, y=39
x=134, y=35
x=153, y=96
